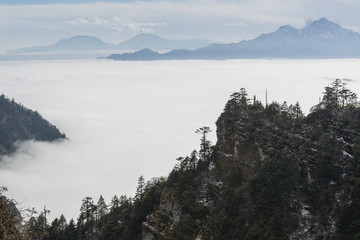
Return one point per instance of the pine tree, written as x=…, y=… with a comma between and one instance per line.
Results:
x=62, y=222
x=101, y=208
x=38, y=227
x=205, y=144
x=71, y=231
x=86, y=221
x=123, y=199
x=192, y=160
x=115, y=203
x=54, y=229
x=7, y=223
x=337, y=95
x=87, y=210
x=140, y=188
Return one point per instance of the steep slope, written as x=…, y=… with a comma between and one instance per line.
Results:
x=273, y=174
x=325, y=29
x=276, y=175
x=18, y=123
x=320, y=39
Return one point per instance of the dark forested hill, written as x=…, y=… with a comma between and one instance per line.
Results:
x=274, y=173
x=18, y=123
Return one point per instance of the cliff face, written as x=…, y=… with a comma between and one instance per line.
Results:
x=18, y=123
x=274, y=174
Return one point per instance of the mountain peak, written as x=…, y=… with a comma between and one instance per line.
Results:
x=81, y=38
x=146, y=51
x=287, y=29
x=154, y=42
x=143, y=37
x=325, y=29
x=147, y=35
x=81, y=43
x=324, y=20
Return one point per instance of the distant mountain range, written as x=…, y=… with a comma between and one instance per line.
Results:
x=144, y=40
x=319, y=39
x=155, y=42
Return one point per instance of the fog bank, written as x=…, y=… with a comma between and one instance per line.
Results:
x=126, y=119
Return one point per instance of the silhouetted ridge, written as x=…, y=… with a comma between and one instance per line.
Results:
x=320, y=39
x=140, y=41
x=18, y=123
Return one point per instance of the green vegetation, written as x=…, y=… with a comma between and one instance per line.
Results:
x=18, y=123
x=274, y=173
x=8, y=218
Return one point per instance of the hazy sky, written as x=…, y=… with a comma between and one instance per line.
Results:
x=41, y=22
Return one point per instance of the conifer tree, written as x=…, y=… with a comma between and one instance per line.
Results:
x=87, y=210
x=62, y=222
x=7, y=224
x=192, y=160
x=71, y=231
x=101, y=208
x=296, y=111
x=123, y=199
x=140, y=188
x=337, y=95
x=205, y=144
x=54, y=229
x=38, y=227
x=86, y=221
x=115, y=203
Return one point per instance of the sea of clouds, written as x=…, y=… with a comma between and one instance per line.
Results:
x=126, y=119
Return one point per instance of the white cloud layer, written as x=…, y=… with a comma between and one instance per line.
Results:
x=126, y=119
x=117, y=24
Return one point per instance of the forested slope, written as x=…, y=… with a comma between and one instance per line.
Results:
x=274, y=173
x=18, y=123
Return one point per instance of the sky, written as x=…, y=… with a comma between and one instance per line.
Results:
x=126, y=119
x=25, y=23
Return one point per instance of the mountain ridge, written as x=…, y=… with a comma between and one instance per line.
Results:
x=18, y=123
x=155, y=42
x=319, y=39
x=140, y=41
x=77, y=42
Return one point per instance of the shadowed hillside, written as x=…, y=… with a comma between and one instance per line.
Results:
x=274, y=173
x=18, y=123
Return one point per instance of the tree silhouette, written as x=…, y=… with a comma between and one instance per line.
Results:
x=205, y=144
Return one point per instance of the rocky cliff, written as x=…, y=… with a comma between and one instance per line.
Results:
x=276, y=174
x=273, y=173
